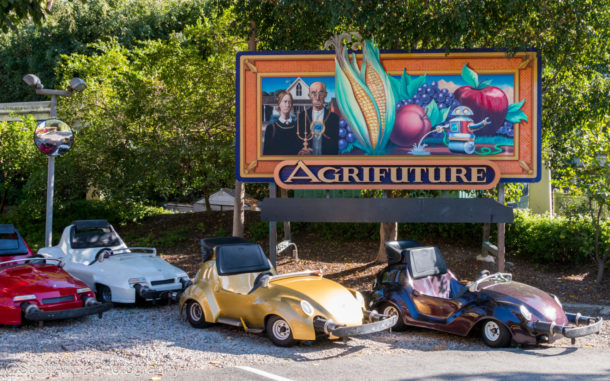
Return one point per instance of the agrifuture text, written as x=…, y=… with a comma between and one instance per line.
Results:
x=385, y=174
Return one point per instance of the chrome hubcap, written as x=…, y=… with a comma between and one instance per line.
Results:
x=281, y=330
x=195, y=311
x=492, y=330
x=390, y=310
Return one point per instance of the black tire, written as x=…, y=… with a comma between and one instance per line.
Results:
x=195, y=314
x=495, y=334
x=279, y=332
x=390, y=309
x=103, y=293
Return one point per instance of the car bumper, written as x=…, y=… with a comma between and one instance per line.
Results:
x=164, y=295
x=583, y=326
x=332, y=329
x=33, y=313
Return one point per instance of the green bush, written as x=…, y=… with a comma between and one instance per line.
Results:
x=29, y=218
x=557, y=240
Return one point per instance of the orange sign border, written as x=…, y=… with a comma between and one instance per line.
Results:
x=252, y=166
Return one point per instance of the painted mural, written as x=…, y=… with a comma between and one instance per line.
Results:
x=364, y=111
x=390, y=105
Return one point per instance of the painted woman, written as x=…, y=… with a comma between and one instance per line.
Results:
x=280, y=134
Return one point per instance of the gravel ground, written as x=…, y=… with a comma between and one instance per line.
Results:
x=149, y=341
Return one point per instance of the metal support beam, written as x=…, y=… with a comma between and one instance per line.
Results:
x=501, y=231
x=273, y=228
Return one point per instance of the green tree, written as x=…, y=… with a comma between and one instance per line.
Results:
x=158, y=120
x=12, y=12
x=17, y=156
x=584, y=169
x=72, y=26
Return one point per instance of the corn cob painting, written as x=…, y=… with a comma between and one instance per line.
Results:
x=364, y=95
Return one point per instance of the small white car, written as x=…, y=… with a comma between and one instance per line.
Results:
x=93, y=252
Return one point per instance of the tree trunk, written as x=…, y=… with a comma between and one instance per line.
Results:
x=3, y=200
x=600, y=270
x=238, y=207
x=208, y=206
x=239, y=216
x=388, y=231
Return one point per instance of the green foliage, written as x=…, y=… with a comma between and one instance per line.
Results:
x=172, y=237
x=584, y=170
x=257, y=231
x=12, y=12
x=18, y=158
x=29, y=217
x=558, y=240
x=165, y=112
x=70, y=27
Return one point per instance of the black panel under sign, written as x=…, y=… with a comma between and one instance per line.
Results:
x=422, y=210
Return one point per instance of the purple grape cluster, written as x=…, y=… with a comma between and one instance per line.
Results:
x=345, y=135
x=506, y=129
x=426, y=93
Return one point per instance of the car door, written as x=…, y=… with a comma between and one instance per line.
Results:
x=232, y=295
x=428, y=303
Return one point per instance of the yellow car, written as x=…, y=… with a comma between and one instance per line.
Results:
x=237, y=285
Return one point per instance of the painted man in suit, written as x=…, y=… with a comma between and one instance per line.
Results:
x=318, y=126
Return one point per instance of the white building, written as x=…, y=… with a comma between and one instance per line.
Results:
x=222, y=200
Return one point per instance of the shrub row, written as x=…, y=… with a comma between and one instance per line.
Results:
x=541, y=239
x=558, y=240
x=29, y=219
x=538, y=238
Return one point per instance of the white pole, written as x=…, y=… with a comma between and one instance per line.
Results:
x=50, y=185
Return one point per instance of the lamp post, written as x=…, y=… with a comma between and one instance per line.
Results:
x=50, y=137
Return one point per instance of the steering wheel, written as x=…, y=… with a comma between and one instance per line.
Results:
x=483, y=274
x=259, y=278
x=101, y=255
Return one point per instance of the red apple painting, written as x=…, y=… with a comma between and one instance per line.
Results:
x=484, y=101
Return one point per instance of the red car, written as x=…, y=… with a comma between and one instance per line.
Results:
x=38, y=289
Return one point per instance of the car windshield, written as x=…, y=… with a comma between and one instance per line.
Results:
x=11, y=244
x=94, y=238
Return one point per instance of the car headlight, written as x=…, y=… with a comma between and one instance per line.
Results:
x=525, y=312
x=21, y=298
x=134, y=281
x=81, y=290
x=360, y=299
x=306, y=307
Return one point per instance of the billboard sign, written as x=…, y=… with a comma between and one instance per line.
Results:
x=461, y=120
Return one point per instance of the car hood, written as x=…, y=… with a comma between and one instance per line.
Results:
x=31, y=279
x=141, y=265
x=329, y=298
x=540, y=303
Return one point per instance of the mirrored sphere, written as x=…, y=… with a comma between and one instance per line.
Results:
x=53, y=137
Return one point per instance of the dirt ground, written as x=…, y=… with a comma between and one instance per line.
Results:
x=352, y=263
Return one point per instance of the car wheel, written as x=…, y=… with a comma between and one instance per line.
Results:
x=279, y=332
x=103, y=293
x=495, y=334
x=392, y=310
x=195, y=314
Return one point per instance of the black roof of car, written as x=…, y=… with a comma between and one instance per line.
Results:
x=90, y=224
x=394, y=249
x=241, y=258
x=11, y=242
x=208, y=244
